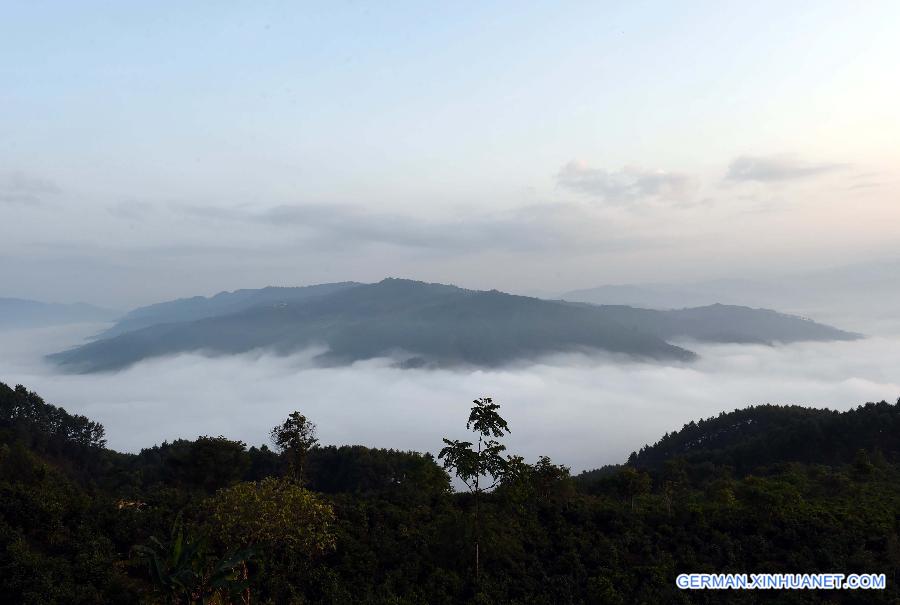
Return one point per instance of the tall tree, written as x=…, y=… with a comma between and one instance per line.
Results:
x=633, y=483
x=294, y=438
x=473, y=462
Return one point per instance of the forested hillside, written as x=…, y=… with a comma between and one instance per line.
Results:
x=223, y=303
x=423, y=324
x=763, y=489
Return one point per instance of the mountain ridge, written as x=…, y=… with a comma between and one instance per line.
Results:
x=437, y=325
x=223, y=303
x=834, y=291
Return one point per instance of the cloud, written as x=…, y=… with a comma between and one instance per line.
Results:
x=17, y=187
x=629, y=184
x=19, y=181
x=581, y=411
x=7, y=197
x=776, y=168
x=533, y=228
x=130, y=210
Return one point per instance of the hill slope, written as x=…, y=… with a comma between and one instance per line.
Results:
x=223, y=303
x=426, y=323
x=768, y=434
x=74, y=515
x=725, y=323
x=442, y=325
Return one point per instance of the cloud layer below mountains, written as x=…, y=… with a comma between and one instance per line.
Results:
x=584, y=412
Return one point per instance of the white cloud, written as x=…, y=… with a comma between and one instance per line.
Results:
x=776, y=168
x=626, y=185
x=17, y=187
x=580, y=411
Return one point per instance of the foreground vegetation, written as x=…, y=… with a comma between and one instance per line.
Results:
x=763, y=489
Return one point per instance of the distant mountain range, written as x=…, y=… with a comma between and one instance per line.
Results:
x=22, y=313
x=861, y=291
x=422, y=324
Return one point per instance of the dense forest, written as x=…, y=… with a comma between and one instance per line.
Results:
x=762, y=489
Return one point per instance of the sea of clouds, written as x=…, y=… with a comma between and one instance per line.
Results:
x=580, y=410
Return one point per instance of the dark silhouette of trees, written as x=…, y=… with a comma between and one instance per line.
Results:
x=49, y=427
x=767, y=488
x=294, y=438
x=473, y=462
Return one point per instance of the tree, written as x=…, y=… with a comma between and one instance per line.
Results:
x=862, y=464
x=542, y=481
x=276, y=517
x=471, y=463
x=294, y=438
x=274, y=512
x=674, y=479
x=633, y=483
x=209, y=463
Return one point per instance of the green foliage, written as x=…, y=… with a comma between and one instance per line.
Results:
x=471, y=462
x=633, y=483
x=294, y=438
x=744, y=492
x=365, y=471
x=48, y=427
x=182, y=571
x=287, y=525
x=542, y=482
x=768, y=434
x=209, y=462
x=274, y=514
x=55, y=544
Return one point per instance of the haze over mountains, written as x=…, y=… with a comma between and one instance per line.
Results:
x=18, y=313
x=860, y=291
x=422, y=324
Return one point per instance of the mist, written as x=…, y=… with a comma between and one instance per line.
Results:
x=582, y=411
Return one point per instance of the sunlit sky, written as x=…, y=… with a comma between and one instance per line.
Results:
x=160, y=149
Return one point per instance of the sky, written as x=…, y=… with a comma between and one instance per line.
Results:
x=155, y=150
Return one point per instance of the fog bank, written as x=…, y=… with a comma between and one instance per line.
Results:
x=579, y=410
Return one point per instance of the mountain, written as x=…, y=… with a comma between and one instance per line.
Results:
x=22, y=313
x=440, y=325
x=424, y=323
x=223, y=303
x=725, y=323
x=653, y=296
x=859, y=293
